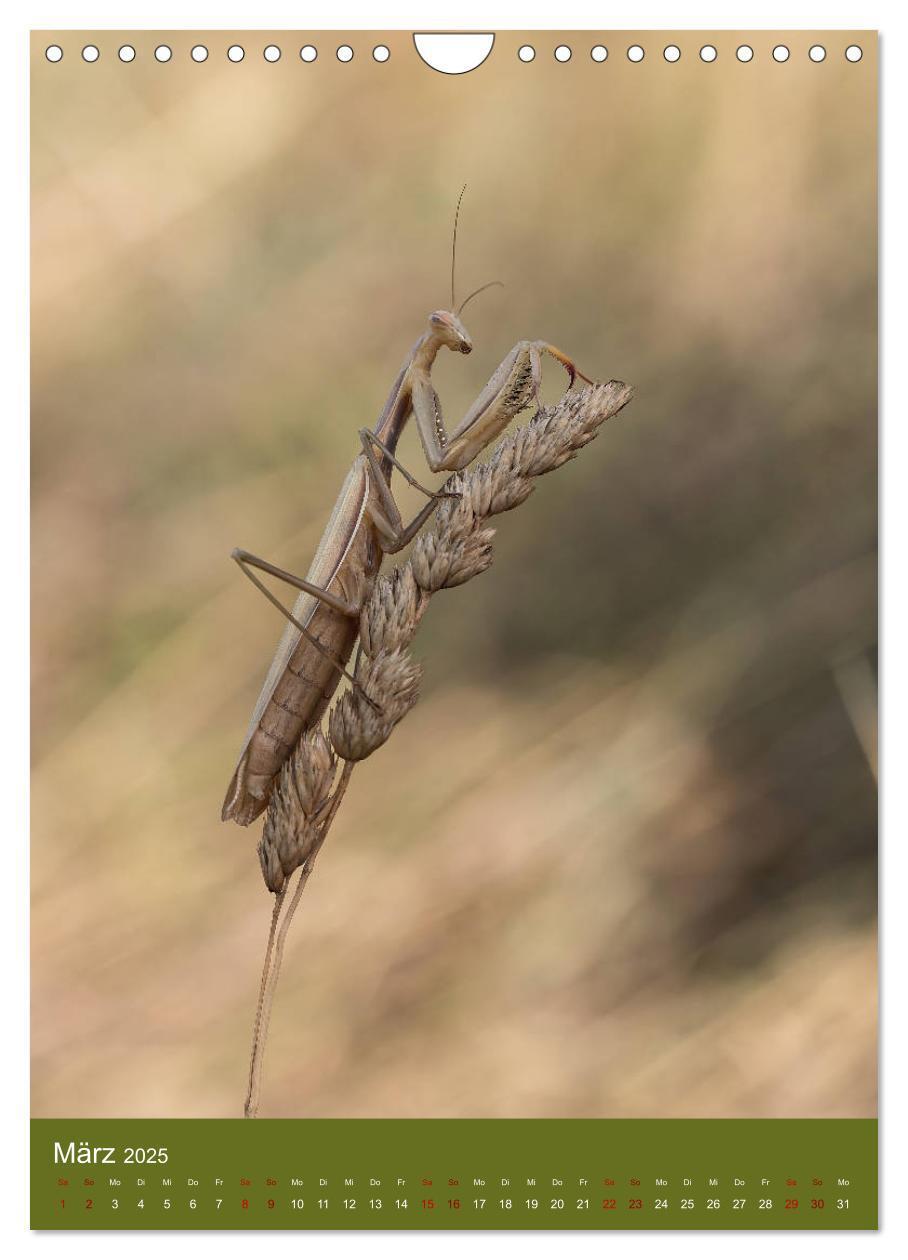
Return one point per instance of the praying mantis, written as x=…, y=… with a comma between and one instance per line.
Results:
x=364, y=526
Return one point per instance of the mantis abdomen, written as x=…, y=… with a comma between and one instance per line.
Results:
x=303, y=677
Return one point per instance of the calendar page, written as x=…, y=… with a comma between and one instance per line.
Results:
x=454, y=630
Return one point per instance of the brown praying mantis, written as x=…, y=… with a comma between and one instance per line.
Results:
x=364, y=526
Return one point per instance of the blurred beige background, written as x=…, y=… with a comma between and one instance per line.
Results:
x=620, y=861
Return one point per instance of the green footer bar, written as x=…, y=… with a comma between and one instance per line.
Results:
x=454, y=1174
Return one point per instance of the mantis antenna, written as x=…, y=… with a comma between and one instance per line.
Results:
x=454, y=243
x=482, y=287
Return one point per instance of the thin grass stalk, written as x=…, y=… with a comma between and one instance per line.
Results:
x=274, y=952
x=259, y=1032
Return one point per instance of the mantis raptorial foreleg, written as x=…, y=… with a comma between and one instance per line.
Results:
x=513, y=383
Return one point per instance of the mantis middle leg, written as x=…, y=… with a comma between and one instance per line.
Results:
x=385, y=513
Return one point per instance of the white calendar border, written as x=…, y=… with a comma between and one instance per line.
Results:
x=531, y=14
x=471, y=15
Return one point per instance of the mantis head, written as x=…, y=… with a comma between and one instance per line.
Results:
x=446, y=328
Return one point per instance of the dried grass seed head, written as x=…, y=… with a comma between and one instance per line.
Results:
x=391, y=683
x=391, y=614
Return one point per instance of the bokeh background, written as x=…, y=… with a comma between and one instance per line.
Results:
x=620, y=860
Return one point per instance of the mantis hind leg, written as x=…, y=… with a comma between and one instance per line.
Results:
x=248, y=562
x=244, y=558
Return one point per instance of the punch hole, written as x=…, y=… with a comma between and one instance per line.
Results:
x=562, y=53
x=817, y=53
x=526, y=52
x=381, y=52
x=345, y=53
x=308, y=53
x=599, y=52
x=162, y=53
x=199, y=53
x=708, y=53
x=672, y=53
x=90, y=53
x=453, y=53
x=271, y=53
x=53, y=53
x=236, y=52
x=126, y=53
x=854, y=52
x=635, y=53
x=780, y=53
x=744, y=53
